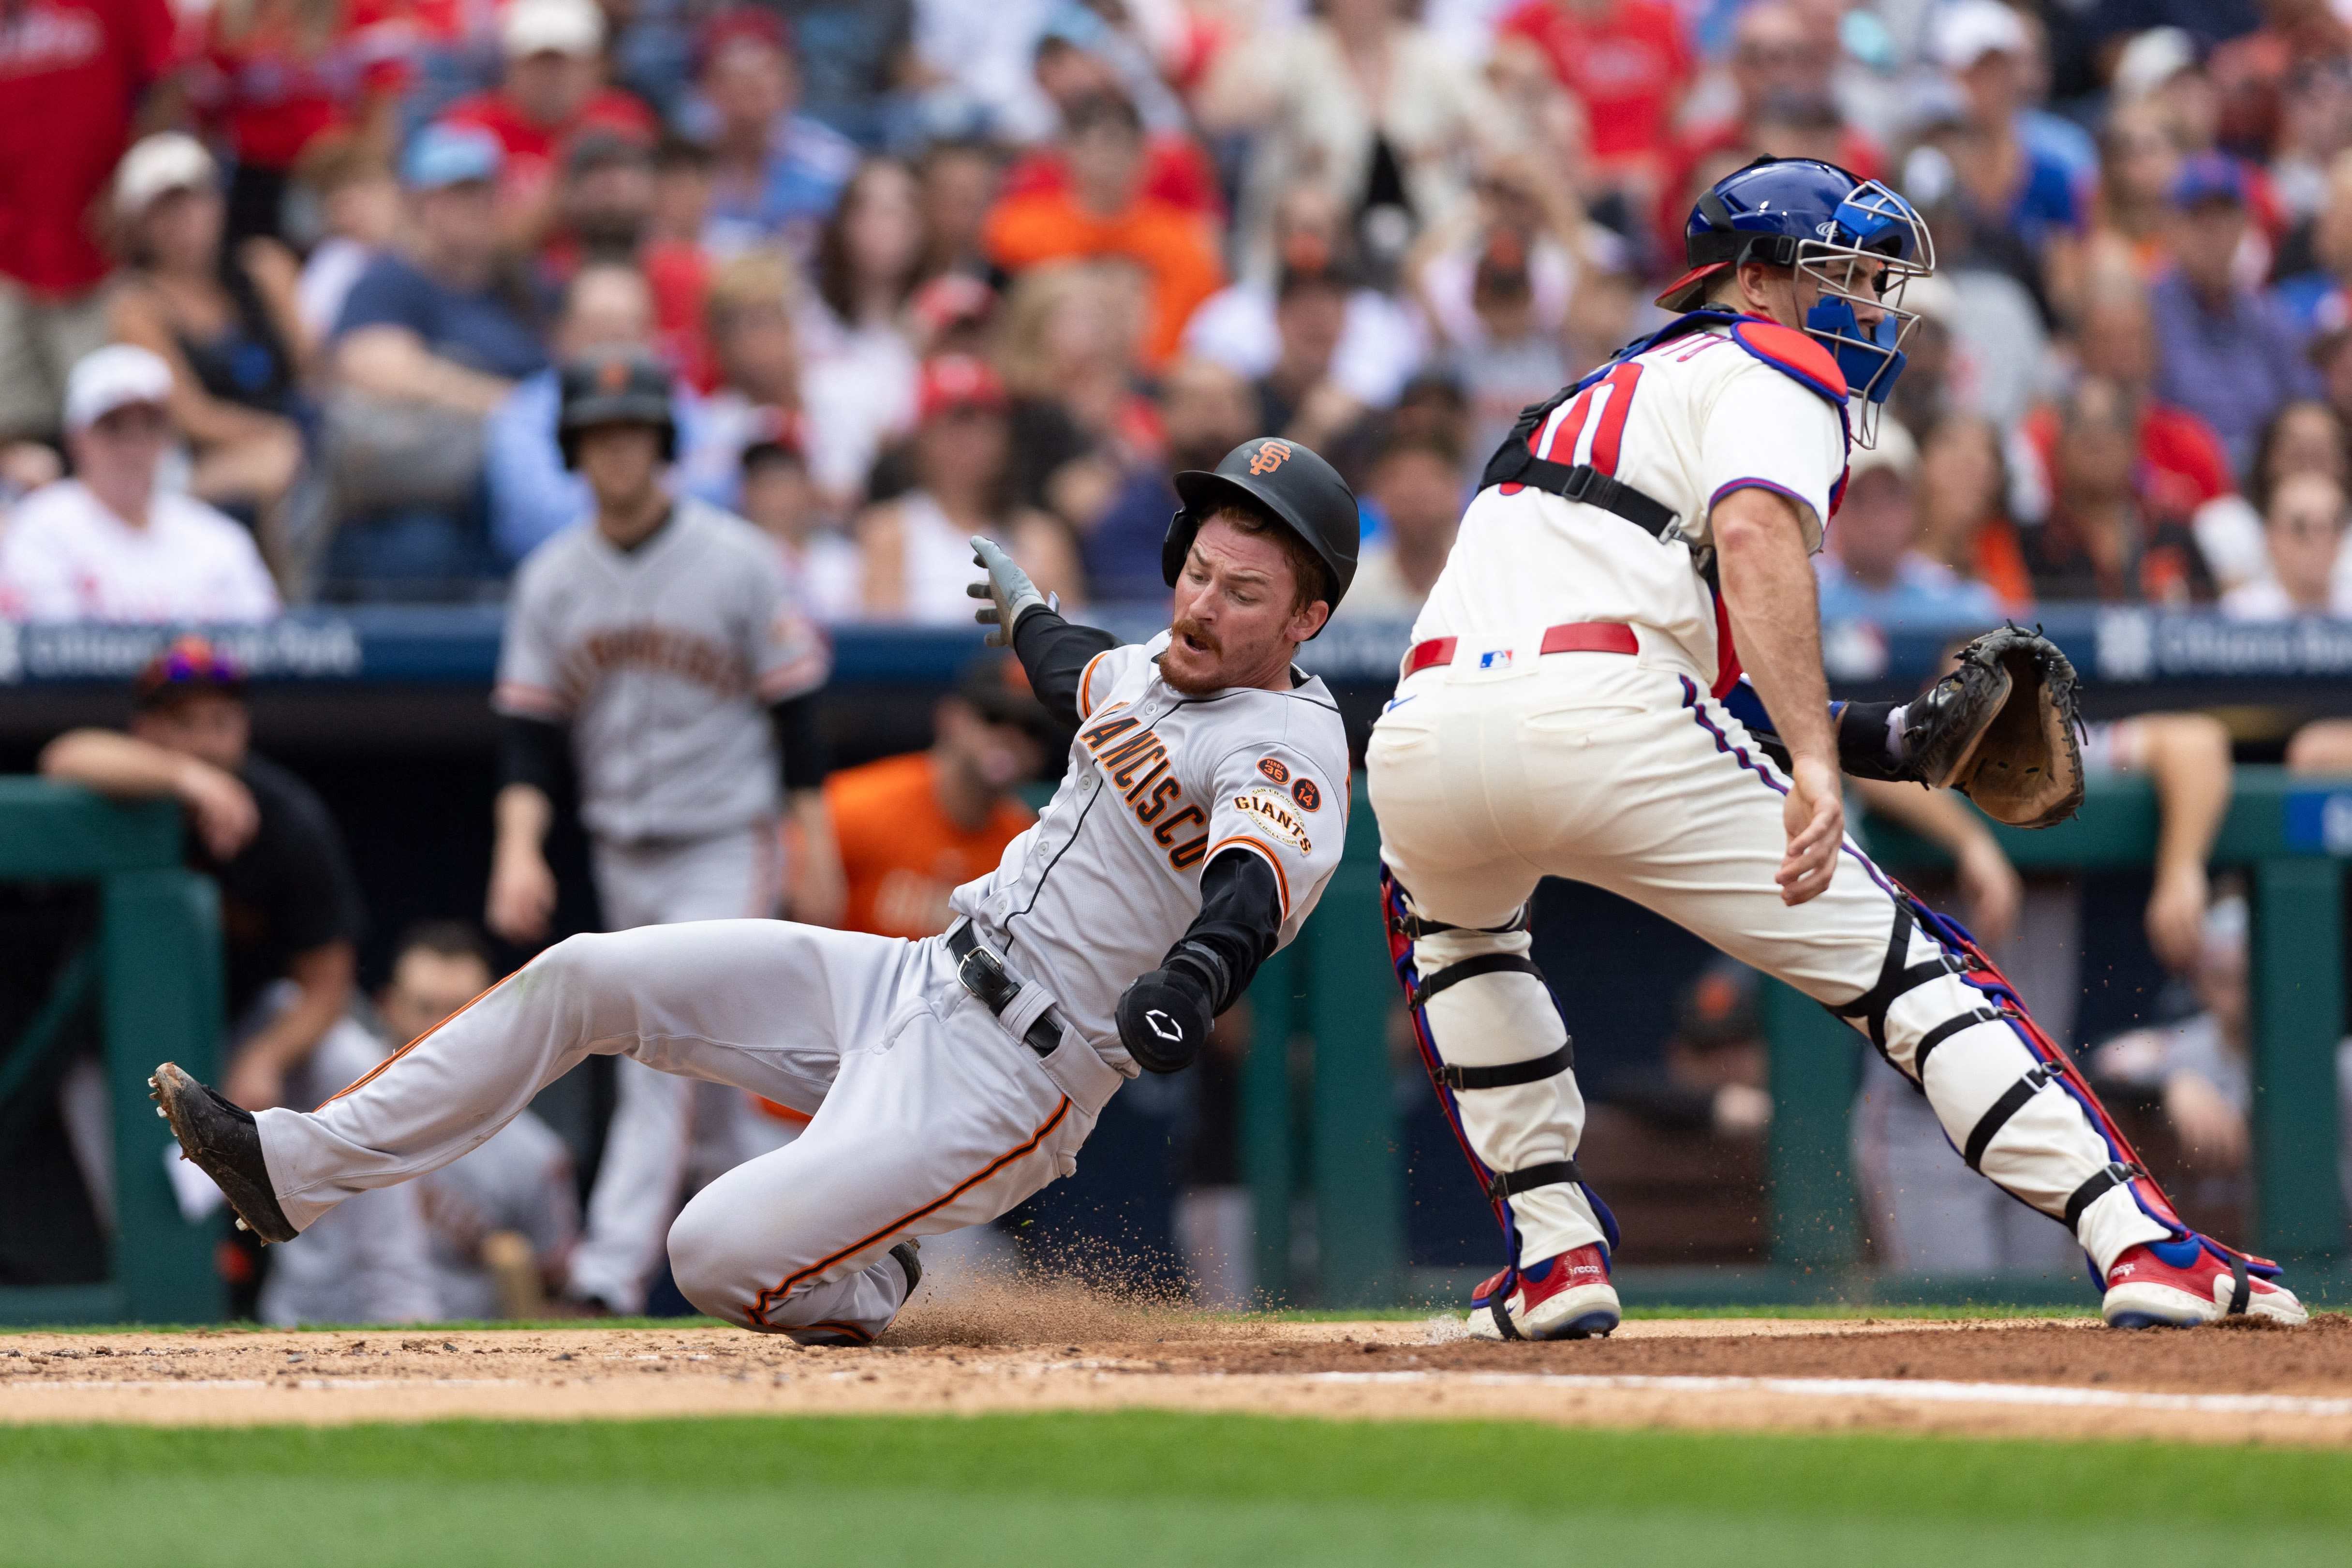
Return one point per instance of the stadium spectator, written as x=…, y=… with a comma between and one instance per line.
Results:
x=604, y=205
x=273, y=76
x=510, y=1207
x=913, y=828
x=1205, y=411
x=1357, y=100
x=109, y=544
x=2302, y=437
x=1964, y=521
x=2007, y=183
x=359, y=207
x=957, y=184
x=1777, y=65
x=76, y=78
x=916, y=548
x=775, y=492
x=553, y=89
x=1299, y=396
x=1630, y=62
x=1710, y=1075
x=432, y=338
x=1875, y=570
x=1066, y=340
x=2225, y=353
x=2199, y=1069
x=2302, y=528
x=291, y=908
x=1069, y=72
x=2139, y=164
x=2101, y=541
x=779, y=172
x=1415, y=484
x=224, y=319
x=1105, y=214
x=1381, y=343
x=860, y=360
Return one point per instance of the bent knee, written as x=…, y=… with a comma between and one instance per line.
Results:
x=712, y=1266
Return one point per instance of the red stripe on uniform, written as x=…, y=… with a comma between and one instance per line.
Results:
x=1607, y=439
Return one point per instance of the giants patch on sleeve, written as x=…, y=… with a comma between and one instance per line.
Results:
x=1273, y=768
x=1305, y=793
x=1275, y=816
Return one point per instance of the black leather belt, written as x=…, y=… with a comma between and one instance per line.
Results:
x=982, y=973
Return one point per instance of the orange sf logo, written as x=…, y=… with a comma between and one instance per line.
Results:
x=1271, y=455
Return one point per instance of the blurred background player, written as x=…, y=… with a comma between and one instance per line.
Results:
x=653, y=648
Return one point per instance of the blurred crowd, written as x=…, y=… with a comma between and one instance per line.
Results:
x=286, y=285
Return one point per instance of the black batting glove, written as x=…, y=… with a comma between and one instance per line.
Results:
x=1162, y=1020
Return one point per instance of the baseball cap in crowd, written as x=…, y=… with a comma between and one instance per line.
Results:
x=2209, y=177
x=574, y=28
x=998, y=689
x=157, y=165
x=1965, y=33
x=1895, y=453
x=953, y=382
x=116, y=376
x=741, y=25
x=191, y=664
x=2151, y=59
x=443, y=155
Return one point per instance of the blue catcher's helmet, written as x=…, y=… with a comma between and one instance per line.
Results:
x=1856, y=239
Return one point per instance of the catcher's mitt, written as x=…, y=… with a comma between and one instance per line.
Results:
x=2002, y=729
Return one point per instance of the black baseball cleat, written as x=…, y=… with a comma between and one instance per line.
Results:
x=910, y=1262
x=222, y=1140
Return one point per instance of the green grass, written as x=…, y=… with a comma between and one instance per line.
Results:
x=1137, y=1489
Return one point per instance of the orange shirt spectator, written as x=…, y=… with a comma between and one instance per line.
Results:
x=914, y=828
x=1105, y=214
x=1628, y=61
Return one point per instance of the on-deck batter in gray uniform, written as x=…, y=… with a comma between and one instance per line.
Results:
x=663, y=662
x=929, y=1113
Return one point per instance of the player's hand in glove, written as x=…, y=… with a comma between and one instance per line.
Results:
x=1163, y=1019
x=2002, y=729
x=1008, y=590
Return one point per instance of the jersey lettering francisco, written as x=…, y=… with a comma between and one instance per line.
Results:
x=1108, y=878
x=1687, y=423
x=664, y=661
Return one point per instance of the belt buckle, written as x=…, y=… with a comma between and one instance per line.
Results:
x=991, y=985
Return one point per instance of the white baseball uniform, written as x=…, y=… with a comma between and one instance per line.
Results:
x=1505, y=764
x=928, y=1110
x=661, y=661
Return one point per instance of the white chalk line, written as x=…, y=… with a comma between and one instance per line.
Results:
x=1924, y=1390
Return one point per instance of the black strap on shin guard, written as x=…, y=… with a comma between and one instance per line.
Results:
x=1413, y=926
x=2090, y=1191
x=1509, y=1075
x=1470, y=969
x=2240, y=1290
x=1894, y=978
x=1997, y=1115
x=1939, y=1035
x=1500, y=1190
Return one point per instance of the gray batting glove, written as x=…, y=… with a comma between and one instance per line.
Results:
x=1010, y=592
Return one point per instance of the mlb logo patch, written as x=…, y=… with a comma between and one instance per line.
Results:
x=1495, y=658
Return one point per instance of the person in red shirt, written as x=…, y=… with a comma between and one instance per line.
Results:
x=555, y=88
x=74, y=75
x=273, y=75
x=1175, y=169
x=1105, y=213
x=1629, y=62
x=2180, y=462
x=913, y=828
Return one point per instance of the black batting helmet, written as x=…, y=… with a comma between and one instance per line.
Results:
x=615, y=386
x=1285, y=479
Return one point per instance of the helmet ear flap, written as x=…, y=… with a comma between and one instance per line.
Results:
x=1176, y=544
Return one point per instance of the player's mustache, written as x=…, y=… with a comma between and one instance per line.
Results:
x=1188, y=627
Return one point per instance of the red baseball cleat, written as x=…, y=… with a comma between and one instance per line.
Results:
x=1564, y=1298
x=2180, y=1284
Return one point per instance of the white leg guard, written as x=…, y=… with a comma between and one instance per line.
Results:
x=1507, y=1067
x=2007, y=1112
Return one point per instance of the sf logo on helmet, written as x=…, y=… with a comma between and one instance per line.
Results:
x=1271, y=455
x=1166, y=1027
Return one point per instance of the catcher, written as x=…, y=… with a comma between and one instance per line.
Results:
x=1574, y=704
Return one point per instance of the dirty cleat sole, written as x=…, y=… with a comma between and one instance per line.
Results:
x=220, y=1139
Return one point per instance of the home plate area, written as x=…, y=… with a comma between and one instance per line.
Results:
x=2240, y=1381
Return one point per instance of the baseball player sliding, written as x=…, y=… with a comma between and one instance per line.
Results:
x=947, y=1078
x=1573, y=704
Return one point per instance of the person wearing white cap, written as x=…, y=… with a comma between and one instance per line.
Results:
x=553, y=89
x=225, y=324
x=2012, y=172
x=108, y=545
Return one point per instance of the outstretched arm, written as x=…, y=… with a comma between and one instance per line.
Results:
x=1164, y=1017
x=1054, y=652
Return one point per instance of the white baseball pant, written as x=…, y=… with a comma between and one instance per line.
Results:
x=665, y=1128
x=928, y=1113
x=1619, y=771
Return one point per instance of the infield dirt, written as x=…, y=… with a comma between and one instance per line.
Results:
x=1032, y=1351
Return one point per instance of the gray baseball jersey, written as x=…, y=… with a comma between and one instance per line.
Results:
x=1108, y=878
x=663, y=660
